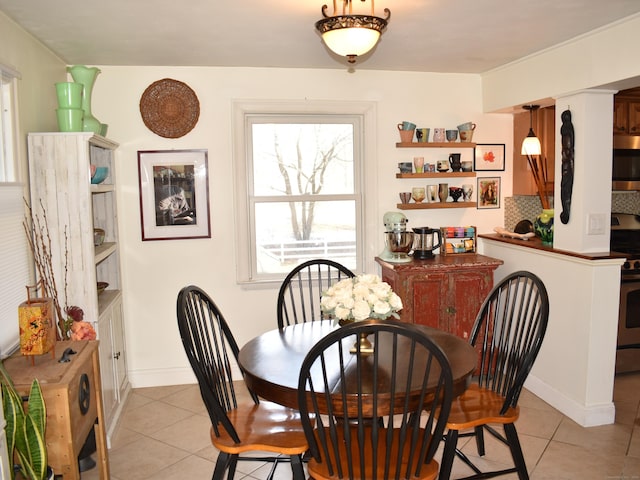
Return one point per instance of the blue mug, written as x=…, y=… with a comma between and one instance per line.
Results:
x=406, y=126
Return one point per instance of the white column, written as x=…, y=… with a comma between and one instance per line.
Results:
x=589, y=225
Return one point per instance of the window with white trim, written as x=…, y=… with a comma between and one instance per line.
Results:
x=8, y=111
x=15, y=267
x=302, y=191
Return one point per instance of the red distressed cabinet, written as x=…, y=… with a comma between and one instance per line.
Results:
x=444, y=292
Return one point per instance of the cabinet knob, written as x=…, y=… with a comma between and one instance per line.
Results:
x=116, y=355
x=451, y=310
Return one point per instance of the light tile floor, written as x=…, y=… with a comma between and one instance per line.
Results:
x=164, y=434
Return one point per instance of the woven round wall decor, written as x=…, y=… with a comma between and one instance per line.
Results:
x=169, y=108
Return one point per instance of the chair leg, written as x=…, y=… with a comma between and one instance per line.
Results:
x=296, y=467
x=479, y=434
x=516, y=451
x=451, y=441
x=225, y=461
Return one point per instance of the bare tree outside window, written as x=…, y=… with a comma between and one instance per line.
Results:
x=304, y=193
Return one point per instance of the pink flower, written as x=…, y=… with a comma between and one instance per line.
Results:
x=82, y=331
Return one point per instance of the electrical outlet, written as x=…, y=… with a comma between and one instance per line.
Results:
x=596, y=223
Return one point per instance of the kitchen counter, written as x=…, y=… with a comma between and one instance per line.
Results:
x=536, y=243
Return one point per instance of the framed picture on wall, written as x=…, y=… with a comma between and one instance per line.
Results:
x=174, y=194
x=489, y=157
x=489, y=192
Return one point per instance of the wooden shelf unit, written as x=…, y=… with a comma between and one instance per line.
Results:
x=60, y=179
x=436, y=175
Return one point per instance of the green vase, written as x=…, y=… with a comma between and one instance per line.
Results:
x=543, y=226
x=87, y=77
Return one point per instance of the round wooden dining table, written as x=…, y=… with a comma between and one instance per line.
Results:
x=272, y=360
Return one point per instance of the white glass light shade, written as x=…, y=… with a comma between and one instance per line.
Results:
x=351, y=41
x=531, y=145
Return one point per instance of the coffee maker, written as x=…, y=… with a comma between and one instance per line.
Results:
x=398, y=241
x=426, y=240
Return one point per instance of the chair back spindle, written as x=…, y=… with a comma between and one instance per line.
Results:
x=300, y=292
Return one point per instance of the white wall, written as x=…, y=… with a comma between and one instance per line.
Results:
x=575, y=368
x=154, y=271
x=602, y=58
x=39, y=69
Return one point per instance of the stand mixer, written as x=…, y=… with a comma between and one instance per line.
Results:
x=398, y=242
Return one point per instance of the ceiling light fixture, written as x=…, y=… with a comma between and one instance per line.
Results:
x=351, y=35
x=531, y=143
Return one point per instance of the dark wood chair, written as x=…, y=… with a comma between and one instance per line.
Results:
x=509, y=329
x=301, y=290
x=236, y=428
x=361, y=413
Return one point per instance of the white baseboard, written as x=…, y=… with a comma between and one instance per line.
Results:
x=603, y=414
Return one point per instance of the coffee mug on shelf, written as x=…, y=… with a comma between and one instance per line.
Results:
x=406, y=126
x=405, y=167
x=452, y=135
x=466, y=135
x=422, y=134
x=467, y=191
x=467, y=126
x=432, y=193
x=405, y=197
x=438, y=135
x=443, y=192
x=418, y=163
x=418, y=194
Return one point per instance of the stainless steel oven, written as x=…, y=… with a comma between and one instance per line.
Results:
x=625, y=239
x=626, y=162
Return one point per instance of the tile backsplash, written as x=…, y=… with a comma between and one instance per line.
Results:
x=625, y=202
x=521, y=207
x=526, y=207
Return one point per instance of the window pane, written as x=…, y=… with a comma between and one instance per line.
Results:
x=289, y=233
x=302, y=159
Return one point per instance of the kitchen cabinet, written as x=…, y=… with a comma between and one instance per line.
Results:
x=60, y=178
x=444, y=292
x=437, y=175
x=544, y=121
x=626, y=116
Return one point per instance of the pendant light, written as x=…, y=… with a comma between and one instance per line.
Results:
x=531, y=143
x=350, y=35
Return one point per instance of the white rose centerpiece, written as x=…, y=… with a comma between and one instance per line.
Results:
x=360, y=298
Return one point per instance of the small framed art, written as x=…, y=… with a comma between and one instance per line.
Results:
x=489, y=157
x=174, y=194
x=489, y=192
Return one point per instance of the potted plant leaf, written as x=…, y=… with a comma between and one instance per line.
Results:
x=25, y=430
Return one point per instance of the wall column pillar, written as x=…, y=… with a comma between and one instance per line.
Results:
x=589, y=225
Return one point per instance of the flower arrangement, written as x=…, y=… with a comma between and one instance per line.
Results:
x=360, y=298
x=80, y=330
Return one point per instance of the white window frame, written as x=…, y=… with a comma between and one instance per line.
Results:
x=8, y=124
x=366, y=180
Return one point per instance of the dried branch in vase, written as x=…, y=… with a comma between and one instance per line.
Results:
x=539, y=173
x=39, y=239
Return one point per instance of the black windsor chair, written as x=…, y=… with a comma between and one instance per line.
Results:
x=509, y=329
x=361, y=412
x=236, y=428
